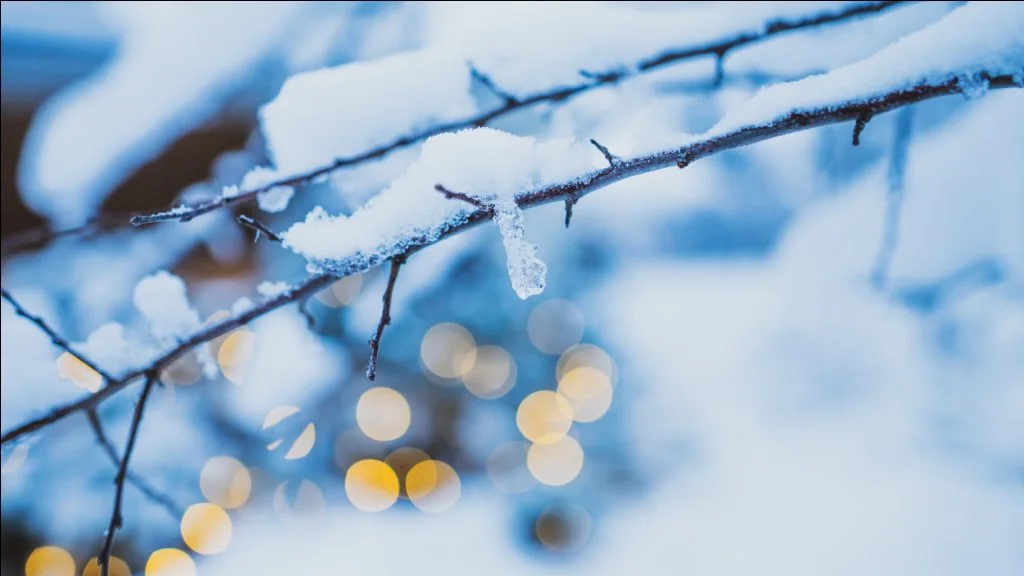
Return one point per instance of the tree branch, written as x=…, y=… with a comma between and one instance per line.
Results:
x=116, y=520
x=148, y=491
x=703, y=146
x=260, y=228
x=385, y=317
x=57, y=340
x=717, y=48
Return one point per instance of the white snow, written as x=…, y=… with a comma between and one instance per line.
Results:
x=270, y=289
x=977, y=36
x=484, y=163
x=514, y=42
x=107, y=347
x=162, y=299
x=345, y=110
x=90, y=137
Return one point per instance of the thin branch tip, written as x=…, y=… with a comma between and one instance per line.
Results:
x=613, y=160
x=385, y=317
x=450, y=194
x=259, y=227
x=488, y=83
x=859, y=124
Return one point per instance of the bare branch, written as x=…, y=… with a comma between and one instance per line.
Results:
x=795, y=121
x=148, y=491
x=259, y=227
x=488, y=83
x=613, y=160
x=859, y=125
x=312, y=285
x=385, y=317
x=116, y=519
x=570, y=201
x=44, y=234
x=58, y=340
x=894, y=196
x=592, y=80
x=449, y=194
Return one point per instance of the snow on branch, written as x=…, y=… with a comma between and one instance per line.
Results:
x=976, y=48
x=414, y=114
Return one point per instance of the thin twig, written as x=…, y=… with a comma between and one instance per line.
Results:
x=488, y=83
x=148, y=491
x=612, y=159
x=385, y=317
x=45, y=234
x=259, y=227
x=592, y=80
x=858, y=127
x=57, y=340
x=116, y=518
x=894, y=196
x=449, y=194
x=795, y=121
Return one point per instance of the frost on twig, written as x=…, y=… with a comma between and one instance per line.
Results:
x=385, y=317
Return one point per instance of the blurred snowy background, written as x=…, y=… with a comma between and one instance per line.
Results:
x=755, y=373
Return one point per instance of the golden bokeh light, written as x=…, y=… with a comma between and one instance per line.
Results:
x=383, y=414
x=170, y=562
x=371, y=485
x=401, y=461
x=507, y=469
x=562, y=528
x=206, y=528
x=587, y=355
x=555, y=464
x=16, y=459
x=493, y=373
x=308, y=502
x=225, y=482
x=544, y=417
x=341, y=293
x=184, y=371
x=70, y=368
x=588, y=390
x=555, y=325
x=50, y=561
x=118, y=567
x=448, y=350
x=236, y=355
x=433, y=486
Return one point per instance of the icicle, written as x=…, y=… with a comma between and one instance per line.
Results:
x=525, y=270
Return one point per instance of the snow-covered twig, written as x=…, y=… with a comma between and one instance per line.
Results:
x=116, y=519
x=718, y=48
x=148, y=491
x=385, y=317
x=727, y=137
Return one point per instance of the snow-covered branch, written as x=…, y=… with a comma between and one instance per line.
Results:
x=764, y=118
x=738, y=37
